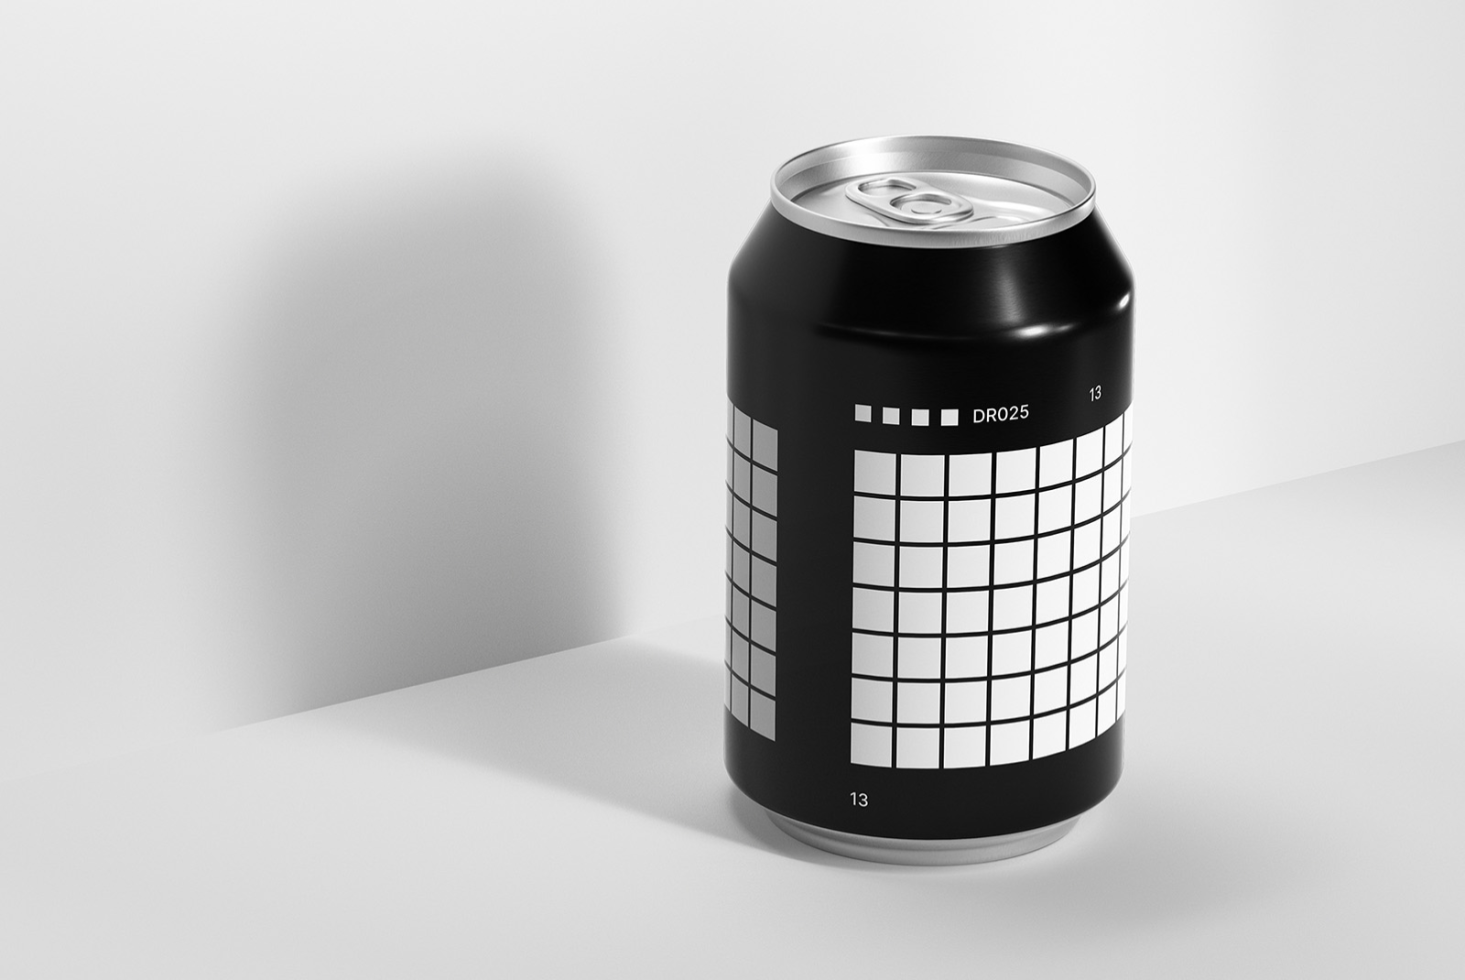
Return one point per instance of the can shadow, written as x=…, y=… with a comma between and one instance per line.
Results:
x=637, y=723
x=425, y=368
x=629, y=722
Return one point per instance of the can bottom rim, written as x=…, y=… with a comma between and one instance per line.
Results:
x=895, y=850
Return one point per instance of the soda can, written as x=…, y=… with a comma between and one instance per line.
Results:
x=928, y=448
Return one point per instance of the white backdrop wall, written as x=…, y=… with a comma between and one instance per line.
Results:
x=351, y=345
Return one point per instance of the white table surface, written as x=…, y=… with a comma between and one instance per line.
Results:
x=1291, y=803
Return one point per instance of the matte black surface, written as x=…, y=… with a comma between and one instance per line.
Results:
x=818, y=324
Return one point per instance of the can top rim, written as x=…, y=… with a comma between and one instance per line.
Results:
x=883, y=156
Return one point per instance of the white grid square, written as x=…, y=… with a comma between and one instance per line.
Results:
x=1049, y=734
x=760, y=714
x=1119, y=697
x=1015, y=516
x=1053, y=600
x=763, y=627
x=1050, y=689
x=1128, y=472
x=1083, y=633
x=920, y=416
x=1128, y=426
x=870, y=700
x=741, y=521
x=949, y=416
x=740, y=700
x=966, y=702
x=920, y=612
x=870, y=654
x=1083, y=678
x=740, y=559
x=1113, y=484
x=740, y=612
x=1081, y=720
x=920, y=568
x=1108, y=620
x=874, y=610
x=966, y=656
x=922, y=475
x=1055, y=463
x=920, y=520
x=1086, y=544
x=874, y=564
x=874, y=472
x=967, y=566
x=918, y=703
x=869, y=745
x=1016, y=470
x=765, y=490
x=917, y=748
x=1050, y=644
x=919, y=656
x=966, y=748
x=742, y=480
x=1086, y=588
x=890, y=416
x=765, y=581
x=1089, y=451
x=875, y=518
x=1108, y=664
x=740, y=655
x=1109, y=575
x=742, y=432
x=1012, y=607
x=971, y=475
x=1013, y=562
x=1111, y=525
x=1055, y=508
x=1009, y=742
x=1088, y=496
x=765, y=445
x=862, y=413
x=966, y=612
x=1012, y=652
x=1010, y=698
x=1054, y=551
x=765, y=536
x=969, y=520
x=764, y=672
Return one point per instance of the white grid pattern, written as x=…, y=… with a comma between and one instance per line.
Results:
x=752, y=572
x=990, y=601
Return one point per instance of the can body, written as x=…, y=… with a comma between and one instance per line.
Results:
x=928, y=513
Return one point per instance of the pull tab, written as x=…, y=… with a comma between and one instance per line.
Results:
x=909, y=200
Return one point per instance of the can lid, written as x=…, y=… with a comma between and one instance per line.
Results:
x=933, y=191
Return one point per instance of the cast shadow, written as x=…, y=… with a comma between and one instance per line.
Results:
x=637, y=723
x=424, y=402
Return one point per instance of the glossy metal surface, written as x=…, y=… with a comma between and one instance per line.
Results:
x=929, y=853
x=933, y=192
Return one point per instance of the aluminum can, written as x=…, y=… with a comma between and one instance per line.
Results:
x=928, y=446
